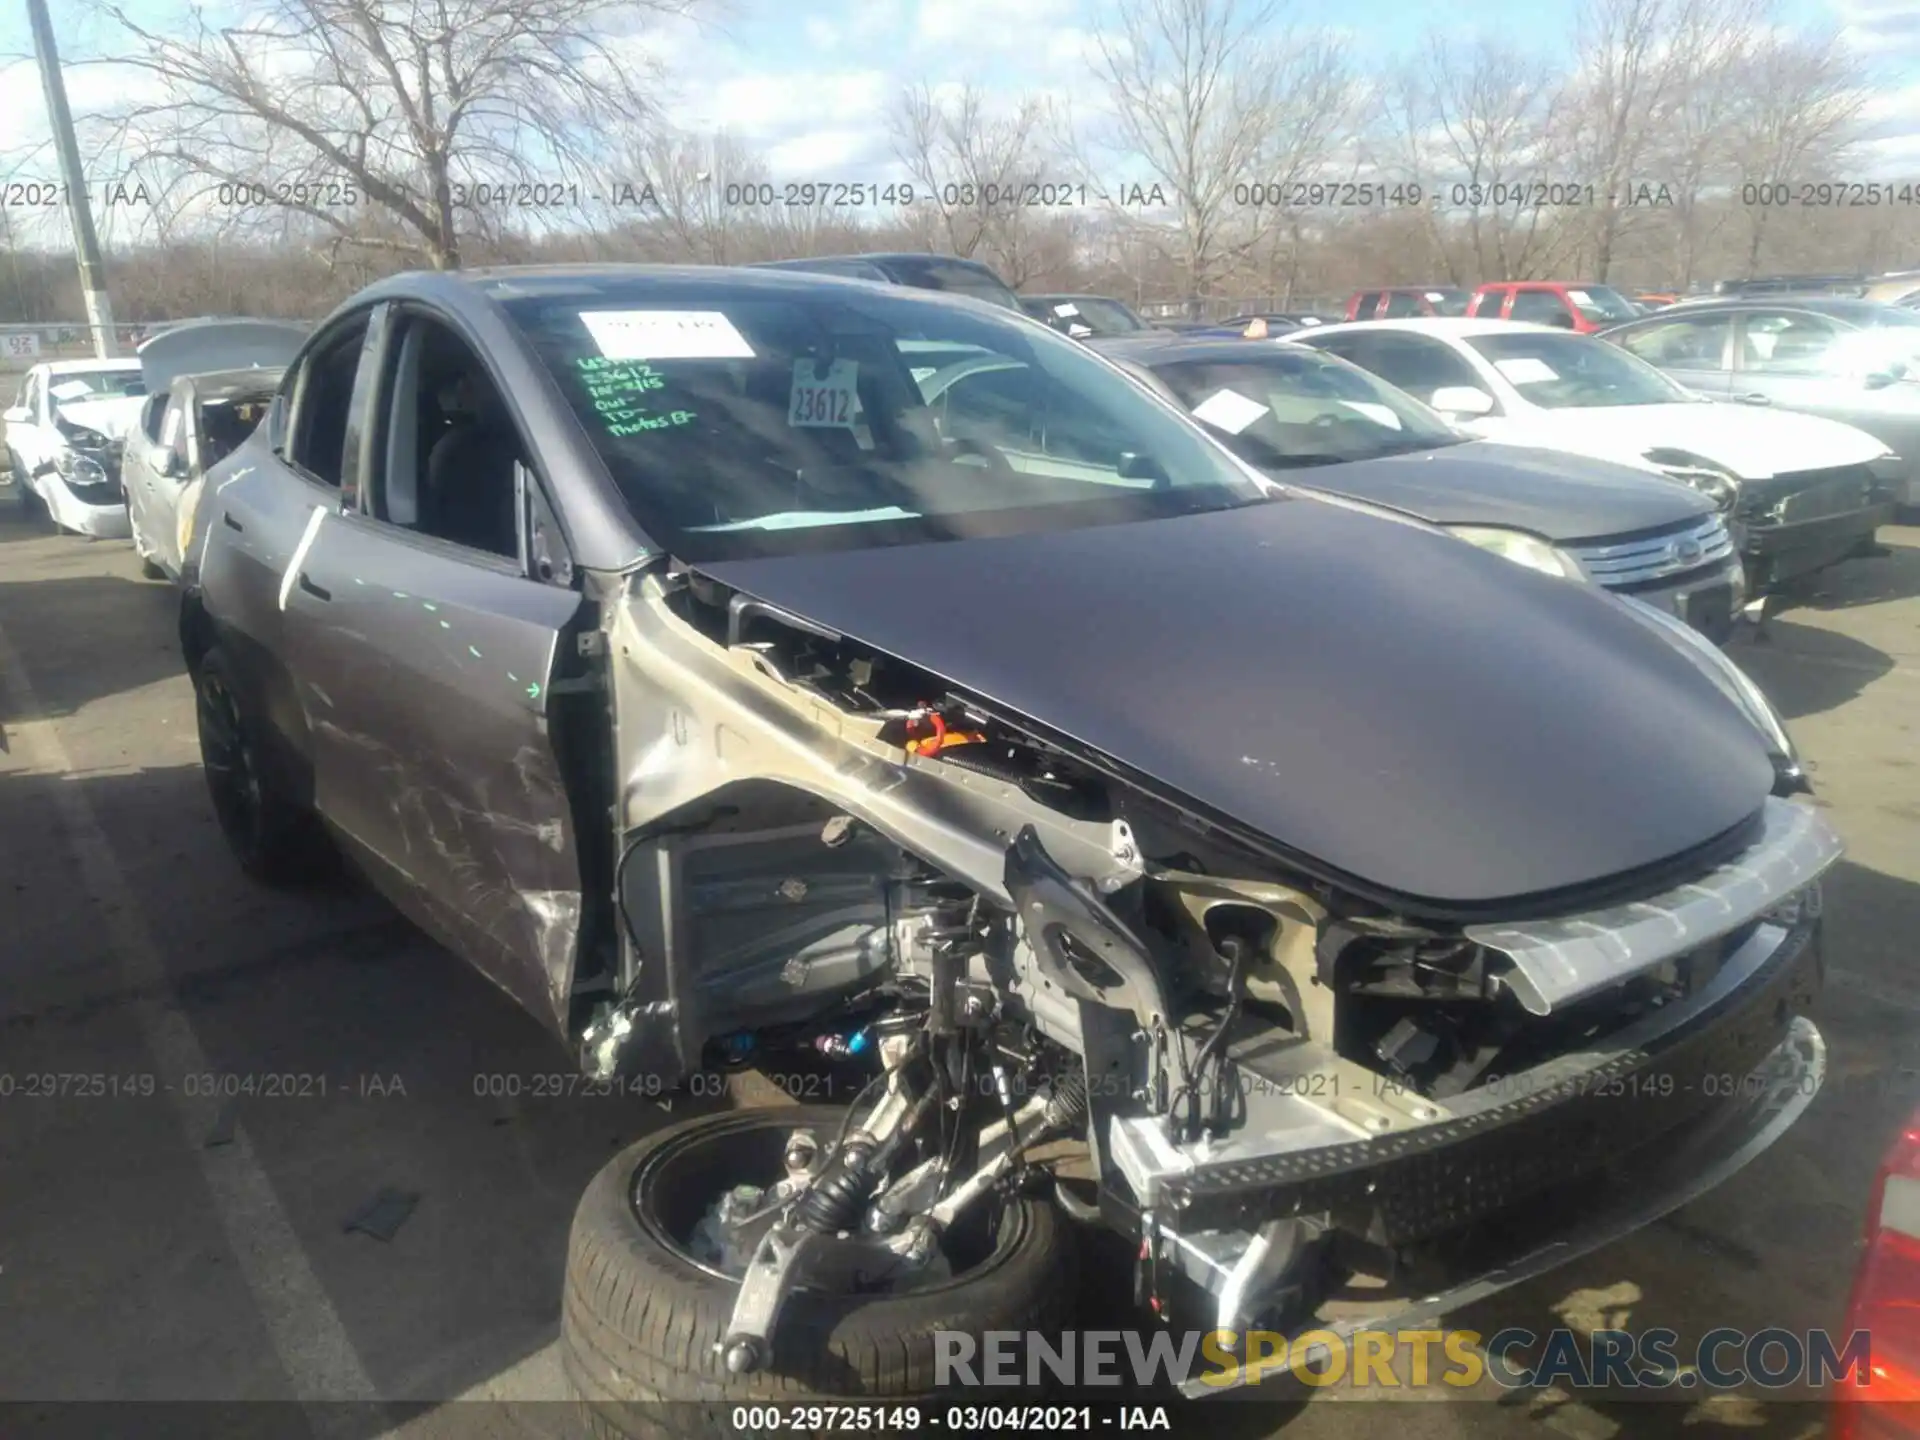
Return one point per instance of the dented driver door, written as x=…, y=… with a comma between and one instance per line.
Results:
x=424, y=668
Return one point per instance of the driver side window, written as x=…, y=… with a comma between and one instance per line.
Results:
x=449, y=449
x=994, y=407
x=1006, y=408
x=1786, y=342
x=1695, y=342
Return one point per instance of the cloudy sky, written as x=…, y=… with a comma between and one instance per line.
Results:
x=809, y=83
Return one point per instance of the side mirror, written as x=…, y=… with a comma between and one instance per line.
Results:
x=18, y=415
x=1134, y=466
x=1881, y=379
x=169, y=464
x=1462, y=400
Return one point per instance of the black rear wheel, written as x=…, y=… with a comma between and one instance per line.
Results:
x=277, y=839
x=643, y=1316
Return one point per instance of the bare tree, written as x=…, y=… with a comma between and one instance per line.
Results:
x=1802, y=98
x=1315, y=152
x=1629, y=70
x=1208, y=95
x=1475, y=123
x=703, y=189
x=429, y=114
x=1692, y=152
x=979, y=177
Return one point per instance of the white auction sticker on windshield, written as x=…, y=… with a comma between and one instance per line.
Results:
x=1525, y=370
x=1229, y=410
x=70, y=390
x=1435, y=296
x=1065, y=310
x=665, y=335
x=824, y=401
x=1580, y=297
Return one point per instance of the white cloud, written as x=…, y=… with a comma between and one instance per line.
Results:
x=773, y=108
x=845, y=153
x=989, y=25
x=1881, y=26
x=1892, y=122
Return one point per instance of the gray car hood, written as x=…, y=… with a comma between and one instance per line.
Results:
x=1564, y=498
x=1390, y=704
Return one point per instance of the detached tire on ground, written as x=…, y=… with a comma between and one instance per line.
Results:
x=641, y=1318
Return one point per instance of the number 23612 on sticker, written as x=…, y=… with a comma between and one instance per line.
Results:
x=823, y=401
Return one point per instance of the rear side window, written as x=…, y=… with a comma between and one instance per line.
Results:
x=1541, y=307
x=1401, y=306
x=1487, y=304
x=1364, y=303
x=325, y=404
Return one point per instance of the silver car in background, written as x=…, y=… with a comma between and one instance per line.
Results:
x=208, y=384
x=1856, y=361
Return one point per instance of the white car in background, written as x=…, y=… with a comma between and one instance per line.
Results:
x=1802, y=492
x=65, y=433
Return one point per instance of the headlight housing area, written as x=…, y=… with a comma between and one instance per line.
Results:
x=1523, y=549
x=86, y=470
x=1711, y=479
x=1790, y=777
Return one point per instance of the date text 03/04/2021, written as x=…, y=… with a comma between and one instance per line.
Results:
x=831, y=1419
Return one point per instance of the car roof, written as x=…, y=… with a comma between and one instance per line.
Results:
x=585, y=280
x=90, y=367
x=1840, y=307
x=872, y=257
x=1171, y=348
x=1445, y=327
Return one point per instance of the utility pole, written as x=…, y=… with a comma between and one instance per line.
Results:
x=86, y=244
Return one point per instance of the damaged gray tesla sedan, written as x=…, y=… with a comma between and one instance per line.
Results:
x=1356, y=920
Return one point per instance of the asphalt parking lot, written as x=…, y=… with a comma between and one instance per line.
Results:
x=163, y=1240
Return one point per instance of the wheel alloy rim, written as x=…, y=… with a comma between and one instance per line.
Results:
x=231, y=773
x=644, y=1197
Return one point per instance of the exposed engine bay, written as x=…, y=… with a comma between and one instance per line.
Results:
x=1274, y=1081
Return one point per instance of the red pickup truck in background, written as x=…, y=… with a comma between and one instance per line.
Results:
x=1570, y=305
x=1402, y=302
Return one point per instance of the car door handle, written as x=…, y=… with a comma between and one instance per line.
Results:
x=226, y=519
x=312, y=589
x=1754, y=399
